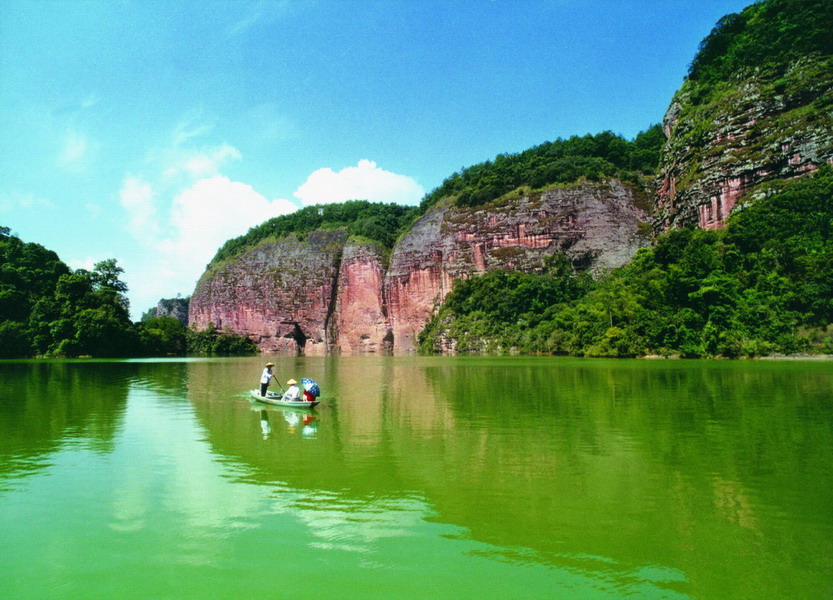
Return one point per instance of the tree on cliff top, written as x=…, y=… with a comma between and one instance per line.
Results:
x=593, y=157
x=376, y=221
x=765, y=37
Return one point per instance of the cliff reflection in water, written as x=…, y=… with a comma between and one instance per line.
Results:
x=558, y=461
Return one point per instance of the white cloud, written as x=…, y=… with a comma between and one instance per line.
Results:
x=137, y=199
x=213, y=210
x=75, y=151
x=365, y=181
x=200, y=219
x=184, y=214
x=209, y=160
x=86, y=263
x=183, y=155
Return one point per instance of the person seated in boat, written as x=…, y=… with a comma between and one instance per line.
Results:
x=266, y=377
x=308, y=396
x=293, y=392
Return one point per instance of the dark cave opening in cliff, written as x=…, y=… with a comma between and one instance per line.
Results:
x=297, y=334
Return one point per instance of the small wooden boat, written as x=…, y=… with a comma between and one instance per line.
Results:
x=276, y=399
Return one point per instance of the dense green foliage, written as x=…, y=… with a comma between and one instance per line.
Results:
x=762, y=285
x=162, y=336
x=765, y=37
x=27, y=272
x=214, y=341
x=592, y=157
x=372, y=220
x=86, y=315
x=498, y=308
x=47, y=309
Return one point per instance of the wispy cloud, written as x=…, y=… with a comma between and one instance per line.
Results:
x=76, y=151
x=193, y=124
x=137, y=199
x=208, y=161
x=15, y=200
x=260, y=11
x=267, y=124
x=365, y=181
x=184, y=156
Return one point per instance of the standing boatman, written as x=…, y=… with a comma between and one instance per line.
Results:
x=266, y=377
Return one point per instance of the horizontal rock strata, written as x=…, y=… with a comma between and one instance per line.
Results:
x=328, y=293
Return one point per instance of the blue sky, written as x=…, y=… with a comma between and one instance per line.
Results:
x=152, y=131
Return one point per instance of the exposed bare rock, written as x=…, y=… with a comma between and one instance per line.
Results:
x=176, y=308
x=756, y=132
x=359, y=324
x=278, y=293
x=330, y=294
x=597, y=225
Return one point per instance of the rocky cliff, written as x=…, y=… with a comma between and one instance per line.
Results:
x=176, y=308
x=758, y=133
x=279, y=293
x=331, y=292
x=755, y=108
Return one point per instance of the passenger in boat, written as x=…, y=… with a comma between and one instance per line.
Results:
x=308, y=396
x=265, y=378
x=293, y=392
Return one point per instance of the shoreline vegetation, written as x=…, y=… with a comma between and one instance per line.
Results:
x=49, y=310
x=762, y=285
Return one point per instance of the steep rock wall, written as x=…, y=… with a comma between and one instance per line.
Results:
x=330, y=293
x=359, y=324
x=756, y=132
x=597, y=225
x=278, y=293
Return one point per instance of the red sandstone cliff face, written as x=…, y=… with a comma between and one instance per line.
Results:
x=723, y=150
x=330, y=294
x=360, y=324
x=278, y=293
x=595, y=225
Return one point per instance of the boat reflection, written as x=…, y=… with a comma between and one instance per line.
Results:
x=296, y=422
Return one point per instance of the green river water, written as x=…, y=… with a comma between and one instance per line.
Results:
x=417, y=477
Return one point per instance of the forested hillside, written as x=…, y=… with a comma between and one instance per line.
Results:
x=593, y=157
x=378, y=222
x=762, y=285
x=48, y=309
x=756, y=107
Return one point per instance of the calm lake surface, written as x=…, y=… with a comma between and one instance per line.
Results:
x=417, y=478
